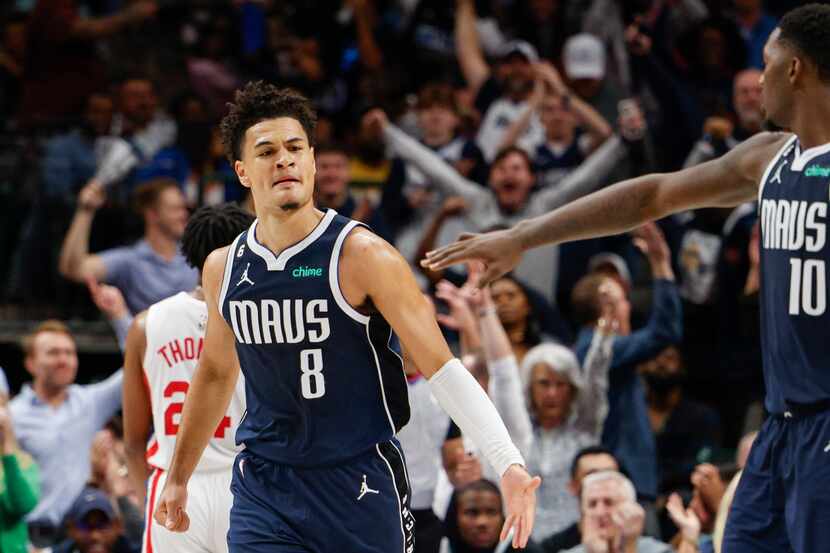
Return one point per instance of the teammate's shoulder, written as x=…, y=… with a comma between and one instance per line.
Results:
x=217, y=258
x=765, y=140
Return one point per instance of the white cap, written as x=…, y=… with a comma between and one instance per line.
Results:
x=521, y=47
x=584, y=57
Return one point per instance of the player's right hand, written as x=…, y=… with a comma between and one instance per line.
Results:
x=500, y=251
x=170, y=511
x=518, y=489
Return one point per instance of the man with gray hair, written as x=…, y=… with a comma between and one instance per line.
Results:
x=612, y=520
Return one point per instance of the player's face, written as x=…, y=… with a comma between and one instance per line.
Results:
x=776, y=90
x=171, y=213
x=479, y=518
x=54, y=360
x=552, y=394
x=277, y=165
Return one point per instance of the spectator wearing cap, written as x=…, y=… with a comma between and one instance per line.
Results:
x=19, y=488
x=583, y=59
x=501, y=92
x=55, y=421
x=149, y=270
x=627, y=430
x=93, y=526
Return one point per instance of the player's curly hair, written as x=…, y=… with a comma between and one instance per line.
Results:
x=807, y=29
x=259, y=101
x=210, y=228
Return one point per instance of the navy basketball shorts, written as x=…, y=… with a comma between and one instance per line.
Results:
x=782, y=504
x=361, y=505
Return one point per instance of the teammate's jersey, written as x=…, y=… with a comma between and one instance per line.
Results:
x=322, y=383
x=794, y=194
x=175, y=329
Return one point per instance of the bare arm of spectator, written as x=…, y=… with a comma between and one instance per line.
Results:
x=98, y=27
x=594, y=124
x=505, y=382
x=370, y=54
x=592, y=401
x=76, y=263
x=138, y=419
x=110, y=301
x=441, y=174
x=468, y=47
x=453, y=205
x=19, y=481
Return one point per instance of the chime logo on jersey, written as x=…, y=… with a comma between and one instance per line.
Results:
x=279, y=322
x=799, y=226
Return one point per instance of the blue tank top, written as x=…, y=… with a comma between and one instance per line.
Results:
x=322, y=382
x=794, y=194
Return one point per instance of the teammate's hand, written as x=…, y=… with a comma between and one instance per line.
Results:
x=518, y=489
x=170, y=511
x=500, y=251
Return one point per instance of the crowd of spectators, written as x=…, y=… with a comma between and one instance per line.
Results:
x=627, y=369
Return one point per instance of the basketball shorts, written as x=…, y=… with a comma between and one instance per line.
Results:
x=358, y=506
x=208, y=507
x=782, y=503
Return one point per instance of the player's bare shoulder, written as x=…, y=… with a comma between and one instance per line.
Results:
x=364, y=257
x=750, y=158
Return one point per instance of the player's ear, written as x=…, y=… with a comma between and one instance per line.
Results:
x=796, y=69
x=239, y=167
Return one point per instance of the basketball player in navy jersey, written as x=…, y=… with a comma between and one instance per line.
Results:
x=783, y=501
x=305, y=302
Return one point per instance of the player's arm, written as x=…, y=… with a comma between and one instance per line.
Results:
x=726, y=181
x=138, y=417
x=373, y=270
x=206, y=402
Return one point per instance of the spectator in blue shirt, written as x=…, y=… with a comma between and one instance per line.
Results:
x=627, y=430
x=755, y=27
x=55, y=421
x=145, y=272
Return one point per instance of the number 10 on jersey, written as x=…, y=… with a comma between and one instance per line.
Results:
x=808, y=289
x=312, y=381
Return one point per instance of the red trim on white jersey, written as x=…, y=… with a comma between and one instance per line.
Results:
x=148, y=546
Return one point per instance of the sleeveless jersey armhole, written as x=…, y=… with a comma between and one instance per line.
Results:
x=334, y=275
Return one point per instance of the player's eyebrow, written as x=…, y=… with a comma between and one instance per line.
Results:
x=267, y=141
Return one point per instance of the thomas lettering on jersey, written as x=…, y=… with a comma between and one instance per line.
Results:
x=178, y=350
x=799, y=226
x=279, y=322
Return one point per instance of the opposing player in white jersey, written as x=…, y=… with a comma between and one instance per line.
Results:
x=163, y=348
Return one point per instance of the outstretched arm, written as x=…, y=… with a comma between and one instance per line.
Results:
x=402, y=304
x=206, y=402
x=726, y=181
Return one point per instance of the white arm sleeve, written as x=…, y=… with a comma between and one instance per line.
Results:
x=463, y=399
x=509, y=399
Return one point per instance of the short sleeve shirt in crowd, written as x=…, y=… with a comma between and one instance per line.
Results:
x=144, y=277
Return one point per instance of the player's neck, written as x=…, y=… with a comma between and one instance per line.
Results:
x=812, y=124
x=277, y=232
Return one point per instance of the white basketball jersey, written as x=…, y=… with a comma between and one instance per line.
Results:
x=175, y=330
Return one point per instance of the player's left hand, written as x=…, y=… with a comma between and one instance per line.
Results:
x=518, y=489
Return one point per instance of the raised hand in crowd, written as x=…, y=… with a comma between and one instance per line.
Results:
x=707, y=481
x=687, y=523
x=108, y=299
x=649, y=239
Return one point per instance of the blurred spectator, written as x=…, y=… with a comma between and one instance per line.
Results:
x=510, y=196
x=755, y=26
x=586, y=461
x=56, y=420
x=568, y=404
x=686, y=432
x=611, y=518
x=94, y=526
x=62, y=67
x=331, y=189
x=726, y=502
x=474, y=521
x=501, y=92
x=12, y=58
x=19, y=482
x=517, y=314
x=696, y=524
x=210, y=70
x=627, y=429
x=583, y=59
x=573, y=129
x=147, y=271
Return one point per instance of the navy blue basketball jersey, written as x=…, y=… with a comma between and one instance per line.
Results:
x=795, y=325
x=322, y=382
